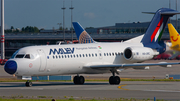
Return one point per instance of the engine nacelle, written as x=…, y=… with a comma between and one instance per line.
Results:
x=139, y=54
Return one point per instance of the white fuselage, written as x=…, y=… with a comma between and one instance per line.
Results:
x=69, y=58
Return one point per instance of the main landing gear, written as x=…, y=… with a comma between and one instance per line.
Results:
x=78, y=80
x=114, y=80
x=28, y=83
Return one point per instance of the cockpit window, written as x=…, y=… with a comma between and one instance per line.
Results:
x=19, y=56
x=27, y=56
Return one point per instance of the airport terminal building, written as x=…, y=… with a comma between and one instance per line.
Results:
x=118, y=32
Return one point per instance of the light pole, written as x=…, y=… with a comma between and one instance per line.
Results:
x=170, y=8
x=59, y=25
x=2, y=30
x=63, y=21
x=176, y=14
x=71, y=8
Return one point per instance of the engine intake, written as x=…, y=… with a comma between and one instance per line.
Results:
x=139, y=54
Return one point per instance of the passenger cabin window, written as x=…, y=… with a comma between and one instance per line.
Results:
x=27, y=56
x=19, y=56
x=99, y=54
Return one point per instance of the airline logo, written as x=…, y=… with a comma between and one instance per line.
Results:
x=85, y=38
x=99, y=47
x=61, y=51
x=172, y=38
x=158, y=31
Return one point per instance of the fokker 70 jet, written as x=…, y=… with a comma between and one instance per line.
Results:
x=92, y=57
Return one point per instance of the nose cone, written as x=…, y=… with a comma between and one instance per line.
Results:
x=10, y=67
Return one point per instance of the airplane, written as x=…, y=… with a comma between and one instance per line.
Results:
x=174, y=46
x=93, y=57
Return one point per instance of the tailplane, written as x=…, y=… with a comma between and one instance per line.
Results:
x=81, y=34
x=152, y=37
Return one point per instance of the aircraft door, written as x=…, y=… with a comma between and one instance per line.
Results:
x=42, y=60
x=100, y=54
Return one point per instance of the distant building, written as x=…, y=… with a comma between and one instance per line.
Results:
x=135, y=27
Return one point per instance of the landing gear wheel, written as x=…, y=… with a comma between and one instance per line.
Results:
x=117, y=80
x=28, y=84
x=114, y=80
x=111, y=81
x=78, y=80
x=81, y=80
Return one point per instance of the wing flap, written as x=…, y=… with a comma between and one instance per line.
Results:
x=118, y=66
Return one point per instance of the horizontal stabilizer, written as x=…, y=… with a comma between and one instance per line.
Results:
x=164, y=13
x=170, y=13
x=149, y=12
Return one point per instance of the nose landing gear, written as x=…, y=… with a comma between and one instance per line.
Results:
x=28, y=83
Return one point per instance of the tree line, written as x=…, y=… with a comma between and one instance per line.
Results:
x=27, y=29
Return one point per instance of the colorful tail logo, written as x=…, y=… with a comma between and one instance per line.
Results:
x=158, y=31
x=152, y=37
x=82, y=35
x=174, y=36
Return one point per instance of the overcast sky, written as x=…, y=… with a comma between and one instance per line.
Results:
x=90, y=13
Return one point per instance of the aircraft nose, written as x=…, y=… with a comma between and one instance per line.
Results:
x=10, y=67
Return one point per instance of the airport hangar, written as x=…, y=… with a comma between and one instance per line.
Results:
x=117, y=33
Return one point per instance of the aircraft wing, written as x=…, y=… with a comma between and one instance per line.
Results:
x=175, y=55
x=118, y=66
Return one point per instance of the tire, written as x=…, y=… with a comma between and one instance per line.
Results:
x=111, y=80
x=117, y=80
x=76, y=79
x=28, y=84
x=81, y=80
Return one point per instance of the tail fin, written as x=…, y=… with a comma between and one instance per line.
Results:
x=155, y=30
x=81, y=34
x=174, y=36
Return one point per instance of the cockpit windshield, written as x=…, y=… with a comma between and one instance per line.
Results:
x=19, y=55
x=27, y=56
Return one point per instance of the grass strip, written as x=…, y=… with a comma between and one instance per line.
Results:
x=72, y=99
